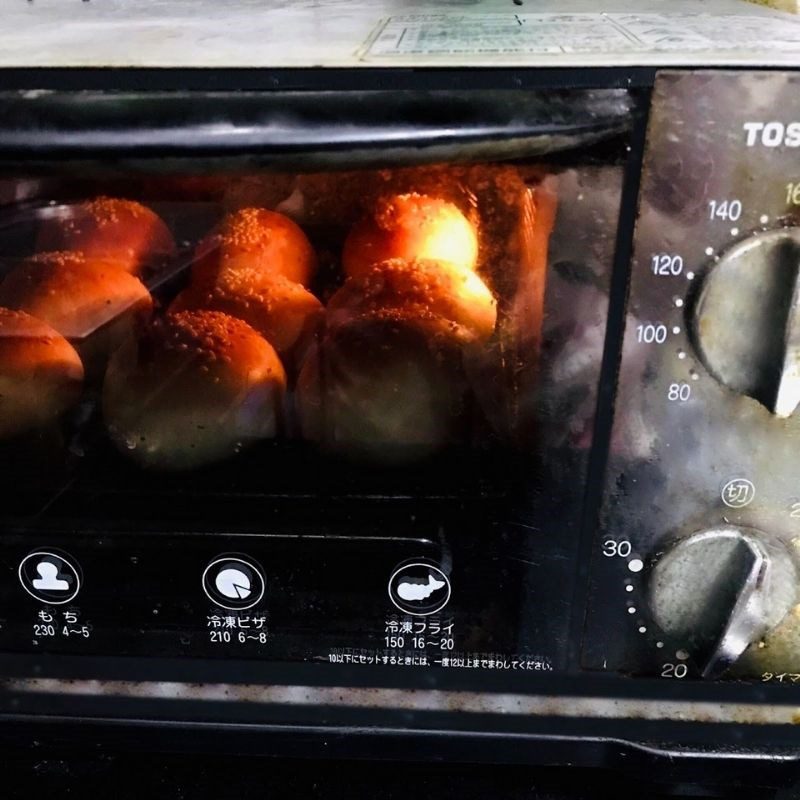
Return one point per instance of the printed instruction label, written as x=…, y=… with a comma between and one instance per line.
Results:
x=56, y=623
x=237, y=629
x=454, y=660
x=515, y=34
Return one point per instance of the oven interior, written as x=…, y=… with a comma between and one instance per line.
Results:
x=334, y=374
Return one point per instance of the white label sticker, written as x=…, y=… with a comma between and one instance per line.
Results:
x=515, y=34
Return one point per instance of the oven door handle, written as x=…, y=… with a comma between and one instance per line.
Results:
x=325, y=128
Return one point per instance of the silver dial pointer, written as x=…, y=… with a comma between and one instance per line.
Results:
x=720, y=590
x=746, y=321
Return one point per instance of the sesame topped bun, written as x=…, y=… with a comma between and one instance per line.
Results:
x=193, y=388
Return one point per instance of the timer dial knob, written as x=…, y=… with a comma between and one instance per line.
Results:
x=746, y=321
x=719, y=590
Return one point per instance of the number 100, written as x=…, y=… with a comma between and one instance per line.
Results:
x=651, y=334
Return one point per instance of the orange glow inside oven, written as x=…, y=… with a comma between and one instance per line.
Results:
x=382, y=315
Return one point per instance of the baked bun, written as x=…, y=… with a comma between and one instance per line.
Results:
x=505, y=373
x=123, y=232
x=41, y=375
x=195, y=388
x=282, y=311
x=380, y=391
x=443, y=300
x=257, y=240
x=88, y=301
x=410, y=226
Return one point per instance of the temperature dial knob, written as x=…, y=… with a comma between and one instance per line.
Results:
x=746, y=321
x=720, y=590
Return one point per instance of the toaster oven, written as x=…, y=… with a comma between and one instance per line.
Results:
x=433, y=394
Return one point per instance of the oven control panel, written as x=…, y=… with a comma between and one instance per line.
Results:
x=697, y=561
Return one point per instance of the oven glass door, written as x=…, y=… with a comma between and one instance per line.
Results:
x=303, y=377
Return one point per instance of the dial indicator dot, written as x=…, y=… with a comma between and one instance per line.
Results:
x=636, y=565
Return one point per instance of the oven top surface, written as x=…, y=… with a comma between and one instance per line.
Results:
x=382, y=33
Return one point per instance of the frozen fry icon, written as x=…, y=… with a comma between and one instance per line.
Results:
x=419, y=591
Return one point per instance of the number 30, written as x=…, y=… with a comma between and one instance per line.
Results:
x=612, y=548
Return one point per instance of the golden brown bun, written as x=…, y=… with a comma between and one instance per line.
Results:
x=88, y=301
x=504, y=373
x=75, y=294
x=282, y=311
x=259, y=240
x=124, y=232
x=196, y=387
x=410, y=226
x=444, y=300
x=41, y=375
x=380, y=391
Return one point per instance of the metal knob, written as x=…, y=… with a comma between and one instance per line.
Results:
x=746, y=321
x=720, y=590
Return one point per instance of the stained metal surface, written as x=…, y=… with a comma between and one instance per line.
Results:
x=343, y=33
x=422, y=700
x=692, y=448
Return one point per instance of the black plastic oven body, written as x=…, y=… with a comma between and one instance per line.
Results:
x=109, y=124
